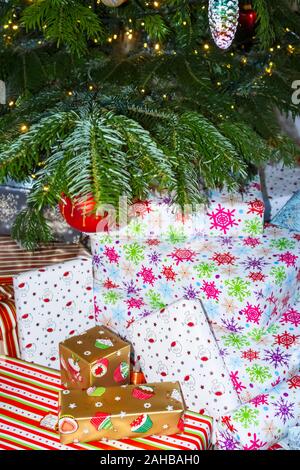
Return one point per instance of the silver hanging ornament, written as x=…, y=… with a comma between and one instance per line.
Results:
x=2, y=92
x=113, y=3
x=223, y=21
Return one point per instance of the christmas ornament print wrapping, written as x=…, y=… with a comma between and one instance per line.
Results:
x=53, y=303
x=178, y=344
x=243, y=282
x=120, y=412
x=40, y=408
x=95, y=358
x=263, y=421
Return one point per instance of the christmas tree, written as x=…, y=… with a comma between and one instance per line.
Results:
x=117, y=97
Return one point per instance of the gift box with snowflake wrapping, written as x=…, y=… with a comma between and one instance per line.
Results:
x=243, y=282
x=120, y=412
x=96, y=357
x=262, y=422
x=258, y=359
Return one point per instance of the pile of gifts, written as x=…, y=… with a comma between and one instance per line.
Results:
x=98, y=402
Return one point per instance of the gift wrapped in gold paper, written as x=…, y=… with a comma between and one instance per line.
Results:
x=120, y=412
x=96, y=357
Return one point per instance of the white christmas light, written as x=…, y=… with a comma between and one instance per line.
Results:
x=223, y=21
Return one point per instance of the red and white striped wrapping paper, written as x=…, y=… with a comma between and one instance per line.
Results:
x=14, y=260
x=30, y=392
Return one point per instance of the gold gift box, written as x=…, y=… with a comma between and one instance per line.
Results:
x=120, y=412
x=96, y=357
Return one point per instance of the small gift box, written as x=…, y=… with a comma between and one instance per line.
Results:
x=120, y=412
x=96, y=357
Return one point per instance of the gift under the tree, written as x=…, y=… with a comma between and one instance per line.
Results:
x=248, y=281
x=53, y=303
x=93, y=358
x=264, y=421
x=228, y=365
x=281, y=183
x=178, y=344
x=120, y=412
x=258, y=359
x=23, y=421
x=15, y=260
x=13, y=199
x=160, y=221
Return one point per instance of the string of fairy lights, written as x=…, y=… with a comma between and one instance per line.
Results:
x=216, y=8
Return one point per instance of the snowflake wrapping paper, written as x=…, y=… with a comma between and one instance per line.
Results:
x=262, y=423
x=229, y=214
x=243, y=282
x=53, y=303
x=261, y=358
x=178, y=344
x=281, y=184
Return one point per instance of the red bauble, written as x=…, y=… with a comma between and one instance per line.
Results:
x=81, y=216
x=247, y=18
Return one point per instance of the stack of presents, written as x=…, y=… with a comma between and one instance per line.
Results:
x=206, y=304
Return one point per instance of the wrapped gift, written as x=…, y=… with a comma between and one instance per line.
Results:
x=15, y=260
x=53, y=303
x=9, y=344
x=262, y=422
x=13, y=199
x=121, y=412
x=178, y=344
x=259, y=358
x=243, y=282
x=96, y=357
x=29, y=424
x=281, y=183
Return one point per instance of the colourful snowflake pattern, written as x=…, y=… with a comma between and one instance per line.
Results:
x=260, y=400
x=252, y=313
x=256, y=207
x=291, y=316
x=279, y=274
x=253, y=227
x=210, y=290
x=288, y=258
x=255, y=444
x=286, y=340
x=284, y=409
x=237, y=341
x=246, y=416
x=134, y=252
x=111, y=254
x=205, y=269
x=222, y=219
x=251, y=241
x=238, y=288
x=147, y=275
x=224, y=258
x=258, y=373
x=276, y=357
x=250, y=355
x=183, y=255
x=282, y=244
